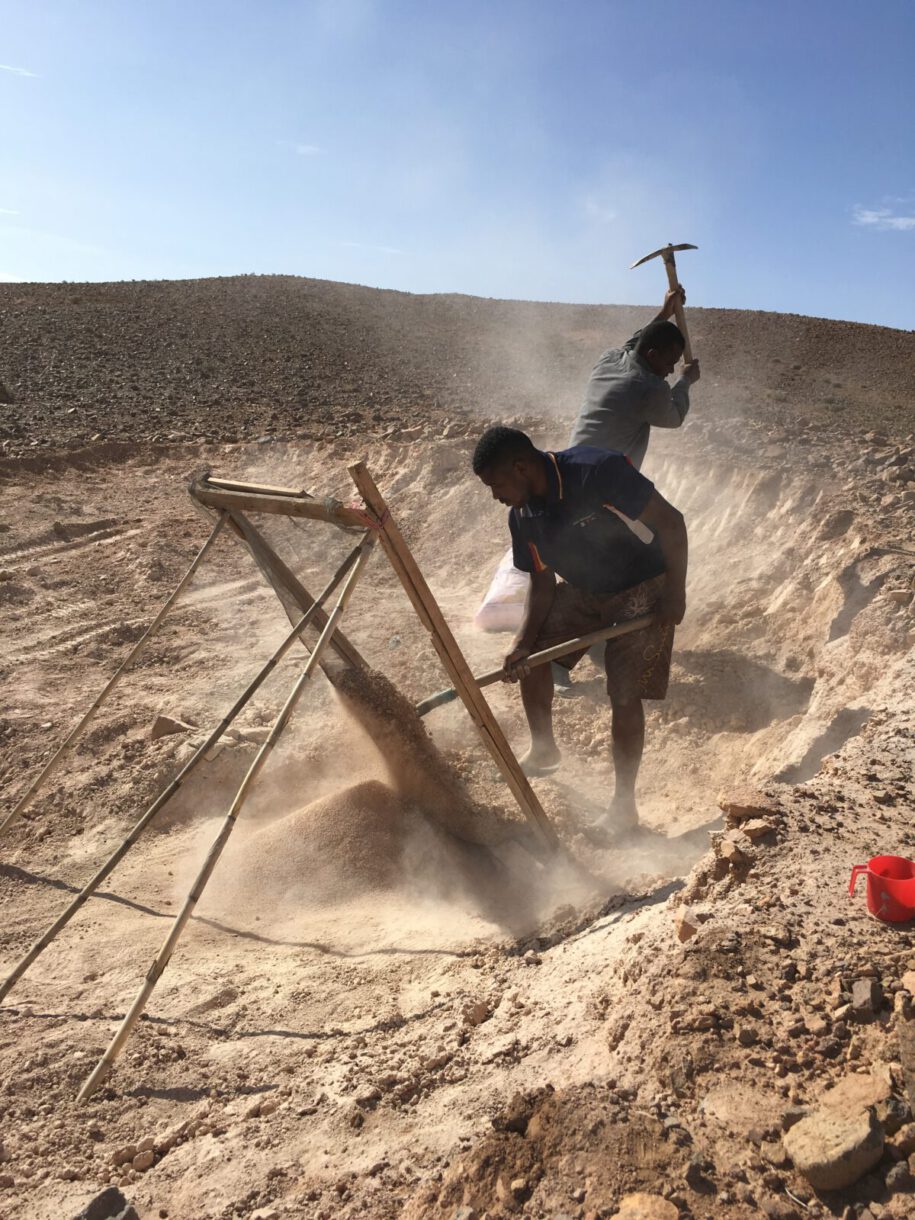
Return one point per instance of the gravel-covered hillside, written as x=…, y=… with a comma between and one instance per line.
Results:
x=246, y=356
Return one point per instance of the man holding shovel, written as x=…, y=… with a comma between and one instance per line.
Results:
x=565, y=521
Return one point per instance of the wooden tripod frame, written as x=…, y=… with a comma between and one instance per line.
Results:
x=233, y=499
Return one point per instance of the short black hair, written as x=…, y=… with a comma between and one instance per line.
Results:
x=500, y=445
x=660, y=336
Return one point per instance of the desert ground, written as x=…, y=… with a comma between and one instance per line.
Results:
x=363, y=1017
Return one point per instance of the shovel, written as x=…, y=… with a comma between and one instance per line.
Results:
x=540, y=658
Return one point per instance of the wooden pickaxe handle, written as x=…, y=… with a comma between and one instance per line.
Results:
x=670, y=264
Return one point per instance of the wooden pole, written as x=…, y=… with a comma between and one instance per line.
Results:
x=162, y=958
x=53, y=762
x=165, y=796
x=556, y=653
x=277, y=503
x=281, y=577
x=450, y=654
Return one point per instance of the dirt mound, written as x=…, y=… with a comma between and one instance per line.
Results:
x=417, y=769
x=351, y=841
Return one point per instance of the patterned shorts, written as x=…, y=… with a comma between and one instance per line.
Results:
x=637, y=664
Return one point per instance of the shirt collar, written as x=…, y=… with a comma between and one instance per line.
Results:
x=554, y=493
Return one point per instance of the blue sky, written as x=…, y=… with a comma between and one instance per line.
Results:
x=527, y=148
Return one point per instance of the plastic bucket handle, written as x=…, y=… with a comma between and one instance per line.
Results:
x=856, y=872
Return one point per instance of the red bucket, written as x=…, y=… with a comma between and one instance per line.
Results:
x=890, y=887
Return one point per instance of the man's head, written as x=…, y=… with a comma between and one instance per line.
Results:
x=507, y=462
x=661, y=345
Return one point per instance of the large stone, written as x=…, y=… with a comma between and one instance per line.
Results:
x=743, y=803
x=833, y=1150
x=163, y=726
x=688, y=921
x=866, y=998
x=643, y=1206
x=109, y=1205
x=857, y=1091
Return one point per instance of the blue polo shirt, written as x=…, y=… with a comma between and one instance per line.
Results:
x=574, y=531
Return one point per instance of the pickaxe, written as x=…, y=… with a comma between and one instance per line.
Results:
x=667, y=253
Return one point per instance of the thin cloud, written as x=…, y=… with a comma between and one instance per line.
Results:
x=301, y=150
x=17, y=71
x=882, y=218
x=595, y=210
x=359, y=245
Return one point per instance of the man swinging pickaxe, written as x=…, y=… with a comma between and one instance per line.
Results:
x=628, y=394
x=670, y=265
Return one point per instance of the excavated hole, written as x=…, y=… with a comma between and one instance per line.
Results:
x=769, y=673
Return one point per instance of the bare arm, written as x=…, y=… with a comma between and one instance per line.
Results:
x=539, y=600
x=670, y=529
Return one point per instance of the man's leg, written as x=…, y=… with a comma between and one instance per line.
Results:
x=537, y=697
x=628, y=743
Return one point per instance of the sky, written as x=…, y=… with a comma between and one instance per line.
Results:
x=524, y=149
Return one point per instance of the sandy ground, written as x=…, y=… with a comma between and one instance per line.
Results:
x=353, y=1023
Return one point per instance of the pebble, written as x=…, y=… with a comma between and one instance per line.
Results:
x=866, y=997
x=476, y=1013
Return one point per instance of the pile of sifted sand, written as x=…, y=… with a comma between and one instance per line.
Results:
x=416, y=768
x=351, y=841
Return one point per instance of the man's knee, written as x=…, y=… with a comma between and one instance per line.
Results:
x=626, y=711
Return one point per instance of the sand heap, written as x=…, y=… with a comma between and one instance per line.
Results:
x=351, y=841
x=422, y=830
x=416, y=769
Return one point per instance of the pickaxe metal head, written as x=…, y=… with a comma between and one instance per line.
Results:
x=666, y=252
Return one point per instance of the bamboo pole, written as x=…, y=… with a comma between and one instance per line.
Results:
x=162, y=958
x=52, y=763
x=281, y=577
x=165, y=796
x=451, y=656
x=287, y=506
x=555, y=653
x=260, y=489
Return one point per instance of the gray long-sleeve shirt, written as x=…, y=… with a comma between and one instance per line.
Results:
x=623, y=399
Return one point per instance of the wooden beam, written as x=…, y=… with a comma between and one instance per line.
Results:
x=282, y=578
x=450, y=654
x=260, y=489
x=328, y=510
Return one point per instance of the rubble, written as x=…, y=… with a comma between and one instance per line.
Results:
x=833, y=1150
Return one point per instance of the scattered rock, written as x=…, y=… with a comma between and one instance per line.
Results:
x=745, y=803
x=688, y=921
x=866, y=998
x=476, y=1013
x=757, y=829
x=143, y=1160
x=109, y=1205
x=734, y=848
x=163, y=726
x=833, y=1150
x=123, y=1156
x=643, y=1206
